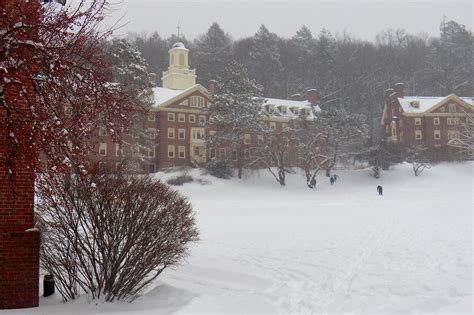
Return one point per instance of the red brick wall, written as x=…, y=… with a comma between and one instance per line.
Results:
x=19, y=248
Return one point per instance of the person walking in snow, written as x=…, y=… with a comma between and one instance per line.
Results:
x=312, y=183
x=331, y=179
x=380, y=190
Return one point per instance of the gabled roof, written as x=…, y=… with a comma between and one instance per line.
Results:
x=166, y=96
x=427, y=103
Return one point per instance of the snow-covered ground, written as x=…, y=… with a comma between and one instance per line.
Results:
x=342, y=248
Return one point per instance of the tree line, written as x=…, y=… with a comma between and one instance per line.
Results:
x=348, y=72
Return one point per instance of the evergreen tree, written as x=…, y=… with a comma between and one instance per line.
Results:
x=265, y=60
x=129, y=69
x=154, y=50
x=212, y=53
x=235, y=111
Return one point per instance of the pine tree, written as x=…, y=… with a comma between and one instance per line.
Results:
x=265, y=56
x=212, y=53
x=235, y=111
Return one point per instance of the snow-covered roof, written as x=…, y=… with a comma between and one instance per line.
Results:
x=163, y=95
x=289, y=104
x=425, y=102
x=178, y=45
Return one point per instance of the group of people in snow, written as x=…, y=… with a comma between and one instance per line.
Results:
x=333, y=178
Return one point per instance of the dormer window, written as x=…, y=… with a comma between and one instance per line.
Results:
x=270, y=108
x=197, y=101
x=295, y=110
x=415, y=104
x=283, y=109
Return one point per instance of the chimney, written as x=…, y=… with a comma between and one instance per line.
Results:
x=400, y=89
x=312, y=95
x=211, y=86
x=295, y=97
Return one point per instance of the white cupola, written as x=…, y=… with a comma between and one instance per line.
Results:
x=178, y=76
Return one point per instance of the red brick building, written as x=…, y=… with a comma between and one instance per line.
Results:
x=423, y=120
x=175, y=123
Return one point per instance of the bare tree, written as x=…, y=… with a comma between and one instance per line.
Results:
x=273, y=153
x=110, y=234
x=311, y=154
x=465, y=141
x=418, y=157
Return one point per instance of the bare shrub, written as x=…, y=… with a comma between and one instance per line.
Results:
x=180, y=180
x=219, y=169
x=109, y=234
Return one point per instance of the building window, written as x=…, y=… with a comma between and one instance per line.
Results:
x=171, y=151
x=197, y=134
x=103, y=149
x=259, y=139
x=234, y=155
x=192, y=118
x=152, y=168
x=197, y=101
x=151, y=116
x=151, y=152
x=453, y=134
x=181, y=134
x=181, y=117
x=212, y=153
x=272, y=126
x=202, y=119
x=452, y=107
x=284, y=126
x=418, y=135
x=394, y=129
x=222, y=153
x=283, y=109
x=118, y=149
x=181, y=151
x=102, y=166
x=401, y=136
x=170, y=116
x=247, y=138
x=437, y=134
x=170, y=133
x=286, y=157
x=417, y=121
x=453, y=121
x=247, y=154
x=151, y=133
x=436, y=121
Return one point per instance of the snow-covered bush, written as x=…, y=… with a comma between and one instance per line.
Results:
x=219, y=169
x=110, y=235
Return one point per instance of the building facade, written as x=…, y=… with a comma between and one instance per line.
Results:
x=420, y=120
x=175, y=123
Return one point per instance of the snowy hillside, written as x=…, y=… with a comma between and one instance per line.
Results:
x=342, y=248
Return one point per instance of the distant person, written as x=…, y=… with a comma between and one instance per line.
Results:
x=332, y=180
x=312, y=183
x=380, y=190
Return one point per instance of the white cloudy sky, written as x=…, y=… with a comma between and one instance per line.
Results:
x=240, y=18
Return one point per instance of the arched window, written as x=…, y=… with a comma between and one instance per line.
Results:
x=172, y=60
x=181, y=59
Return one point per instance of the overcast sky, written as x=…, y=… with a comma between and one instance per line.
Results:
x=240, y=18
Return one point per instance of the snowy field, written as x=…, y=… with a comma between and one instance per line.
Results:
x=336, y=249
